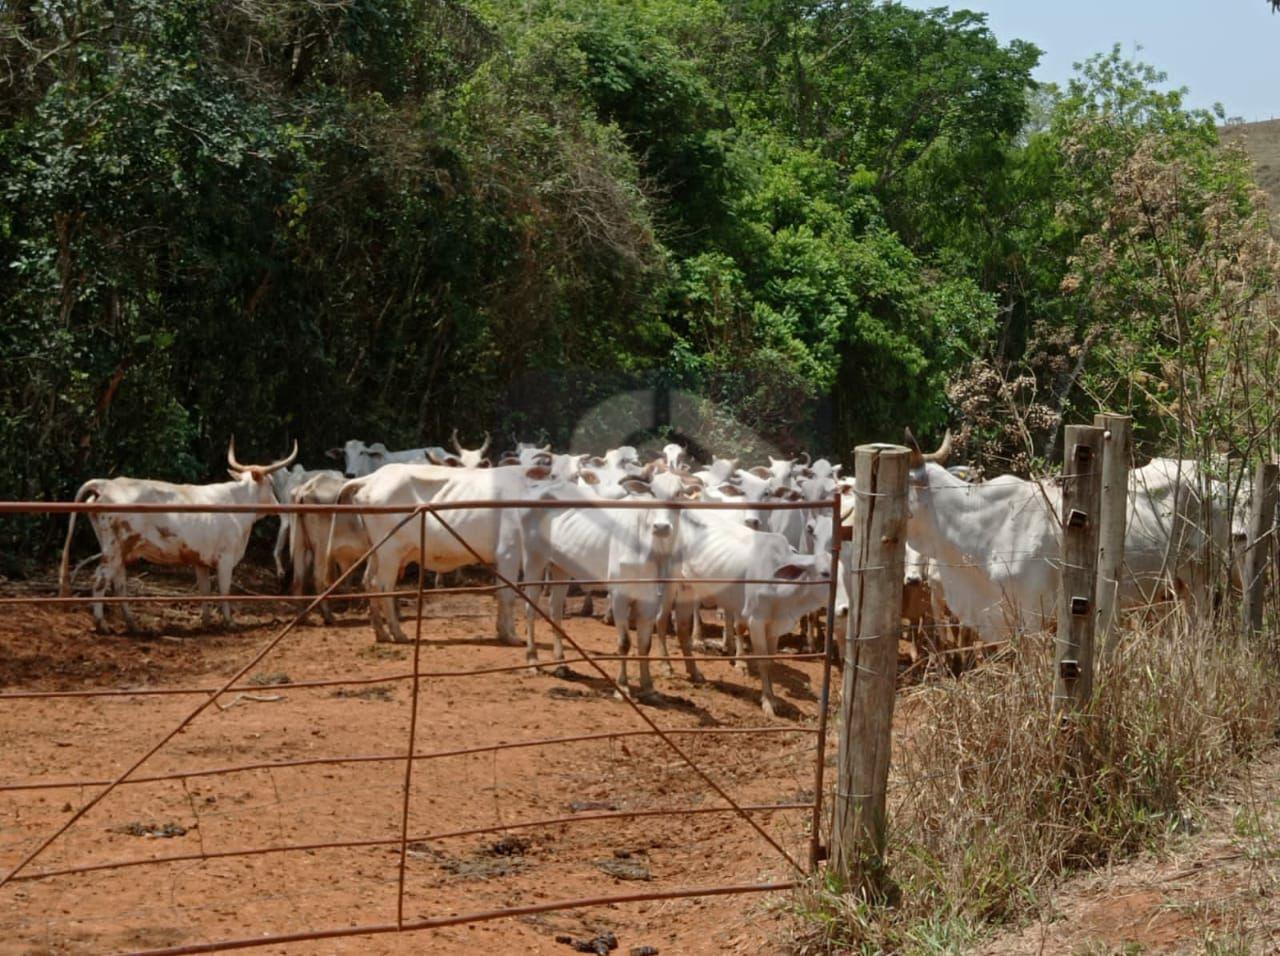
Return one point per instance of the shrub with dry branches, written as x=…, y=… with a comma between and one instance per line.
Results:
x=992, y=798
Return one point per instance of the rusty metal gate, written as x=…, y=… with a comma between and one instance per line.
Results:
x=94, y=791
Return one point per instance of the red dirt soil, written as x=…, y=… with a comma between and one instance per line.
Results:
x=170, y=904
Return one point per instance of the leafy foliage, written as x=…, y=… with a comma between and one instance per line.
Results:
x=387, y=218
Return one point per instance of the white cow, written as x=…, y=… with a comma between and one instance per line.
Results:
x=283, y=483
x=465, y=457
x=493, y=532
x=600, y=544
x=997, y=545
x=675, y=456
x=340, y=536
x=205, y=542
x=715, y=546
x=360, y=459
x=720, y=470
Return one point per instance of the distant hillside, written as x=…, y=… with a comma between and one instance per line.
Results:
x=1262, y=141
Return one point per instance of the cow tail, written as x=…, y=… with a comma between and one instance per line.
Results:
x=88, y=490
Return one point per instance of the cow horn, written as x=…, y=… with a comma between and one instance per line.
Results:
x=807, y=460
x=917, y=458
x=231, y=456
x=282, y=463
x=485, y=447
x=454, y=438
x=944, y=451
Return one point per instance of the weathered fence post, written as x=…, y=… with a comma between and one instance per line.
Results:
x=1113, y=515
x=1257, y=558
x=1081, y=506
x=870, y=665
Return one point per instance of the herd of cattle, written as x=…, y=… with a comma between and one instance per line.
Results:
x=983, y=557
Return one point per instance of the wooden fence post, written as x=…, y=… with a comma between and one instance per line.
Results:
x=1113, y=516
x=1257, y=558
x=870, y=666
x=1081, y=506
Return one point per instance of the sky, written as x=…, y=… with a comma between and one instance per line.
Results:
x=1223, y=51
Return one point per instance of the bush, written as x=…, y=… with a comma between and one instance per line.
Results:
x=992, y=799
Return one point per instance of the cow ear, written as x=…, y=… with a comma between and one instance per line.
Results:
x=238, y=476
x=538, y=473
x=485, y=463
x=732, y=491
x=789, y=572
x=634, y=486
x=435, y=459
x=453, y=462
x=761, y=472
x=509, y=460
x=590, y=477
x=596, y=461
x=334, y=453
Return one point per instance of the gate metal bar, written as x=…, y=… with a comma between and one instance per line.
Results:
x=384, y=758
x=478, y=917
x=395, y=841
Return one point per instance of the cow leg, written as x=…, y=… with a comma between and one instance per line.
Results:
x=509, y=567
x=101, y=585
x=588, y=605
x=120, y=585
x=535, y=573
x=382, y=610
x=226, y=564
x=559, y=592
x=684, y=632
x=202, y=584
x=646, y=614
x=764, y=641
x=662, y=619
x=608, y=615
x=326, y=612
x=282, y=542
x=734, y=642
x=618, y=605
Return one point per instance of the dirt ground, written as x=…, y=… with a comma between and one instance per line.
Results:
x=1216, y=889
x=169, y=904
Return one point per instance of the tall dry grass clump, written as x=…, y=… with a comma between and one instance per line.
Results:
x=992, y=798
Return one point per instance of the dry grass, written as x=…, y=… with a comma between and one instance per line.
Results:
x=992, y=799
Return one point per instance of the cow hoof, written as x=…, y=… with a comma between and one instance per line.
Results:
x=768, y=707
x=696, y=678
x=562, y=672
x=649, y=696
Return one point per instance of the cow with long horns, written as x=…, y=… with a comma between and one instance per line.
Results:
x=204, y=541
x=465, y=457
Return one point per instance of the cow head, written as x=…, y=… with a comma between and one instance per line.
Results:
x=359, y=459
x=471, y=457
x=663, y=523
x=258, y=475
x=780, y=469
